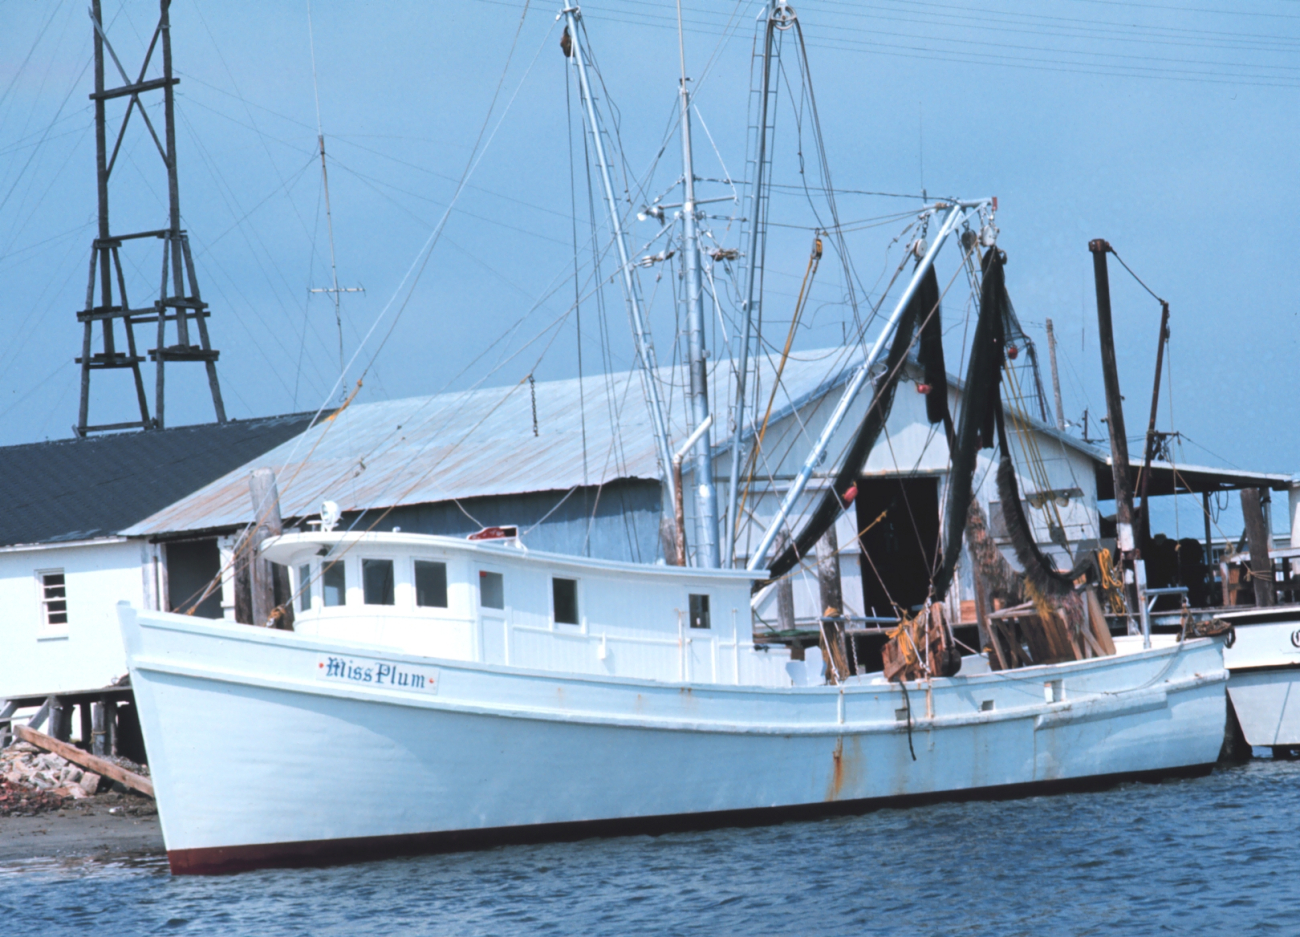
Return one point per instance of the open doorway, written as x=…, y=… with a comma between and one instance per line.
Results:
x=191, y=565
x=898, y=552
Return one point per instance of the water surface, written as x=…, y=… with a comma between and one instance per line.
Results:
x=1213, y=855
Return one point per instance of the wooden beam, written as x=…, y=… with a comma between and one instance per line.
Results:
x=1258, y=536
x=89, y=762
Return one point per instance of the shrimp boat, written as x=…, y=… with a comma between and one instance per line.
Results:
x=446, y=693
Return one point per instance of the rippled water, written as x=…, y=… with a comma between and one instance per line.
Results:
x=1215, y=855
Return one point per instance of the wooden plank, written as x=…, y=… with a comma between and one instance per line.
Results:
x=89, y=762
x=1100, y=630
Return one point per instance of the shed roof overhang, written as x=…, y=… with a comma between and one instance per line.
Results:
x=1169, y=479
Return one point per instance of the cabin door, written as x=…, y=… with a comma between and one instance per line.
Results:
x=493, y=634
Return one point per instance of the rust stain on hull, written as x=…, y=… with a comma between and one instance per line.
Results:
x=846, y=770
x=837, y=771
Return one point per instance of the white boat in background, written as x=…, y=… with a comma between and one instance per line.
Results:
x=443, y=694
x=1263, y=661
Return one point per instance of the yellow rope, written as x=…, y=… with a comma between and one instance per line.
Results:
x=1113, y=585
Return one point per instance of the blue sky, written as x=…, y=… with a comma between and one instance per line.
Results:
x=1169, y=128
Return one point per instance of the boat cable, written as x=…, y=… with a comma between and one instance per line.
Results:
x=916, y=319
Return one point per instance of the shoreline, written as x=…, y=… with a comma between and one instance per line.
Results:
x=108, y=828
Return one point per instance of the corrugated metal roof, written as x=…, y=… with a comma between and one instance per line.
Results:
x=476, y=443
x=480, y=443
x=82, y=489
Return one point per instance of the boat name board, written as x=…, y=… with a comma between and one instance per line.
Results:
x=379, y=672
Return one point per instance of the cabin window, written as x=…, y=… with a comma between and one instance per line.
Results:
x=430, y=584
x=700, y=611
x=304, y=587
x=334, y=583
x=54, y=598
x=564, y=594
x=491, y=589
x=377, y=582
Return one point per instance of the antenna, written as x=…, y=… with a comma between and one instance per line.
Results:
x=105, y=249
x=334, y=290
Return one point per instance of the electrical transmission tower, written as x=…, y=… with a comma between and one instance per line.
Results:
x=175, y=304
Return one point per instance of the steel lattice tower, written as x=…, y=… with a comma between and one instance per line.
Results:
x=175, y=304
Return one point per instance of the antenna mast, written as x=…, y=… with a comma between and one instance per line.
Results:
x=335, y=289
x=105, y=250
x=777, y=16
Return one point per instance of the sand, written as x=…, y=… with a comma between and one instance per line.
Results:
x=85, y=829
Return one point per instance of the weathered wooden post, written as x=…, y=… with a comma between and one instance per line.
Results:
x=97, y=735
x=828, y=574
x=59, y=721
x=1114, y=402
x=832, y=602
x=1257, y=536
x=1115, y=428
x=266, y=524
x=785, y=603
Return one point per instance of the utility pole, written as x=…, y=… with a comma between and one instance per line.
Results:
x=1152, y=438
x=1114, y=402
x=177, y=262
x=706, y=494
x=1115, y=427
x=1056, y=380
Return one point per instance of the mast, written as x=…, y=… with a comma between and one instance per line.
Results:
x=706, y=494
x=776, y=14
x=1056, y=380
x=1114, y=405
x=640, y=334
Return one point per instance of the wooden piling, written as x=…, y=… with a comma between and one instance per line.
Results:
x=98, y=737
x=266, y=524
x=828, y=574
x=1257, y=536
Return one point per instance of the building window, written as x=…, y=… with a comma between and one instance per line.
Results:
x=304, y=587
x=491, y=589
x=699, y=611
x=377, y=580
x=430, y=584
x=334, y=584
x=54, y=598
x=564, y=594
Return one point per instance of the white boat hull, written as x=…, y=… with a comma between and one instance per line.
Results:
x=1264, y=686
x=260, y=756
